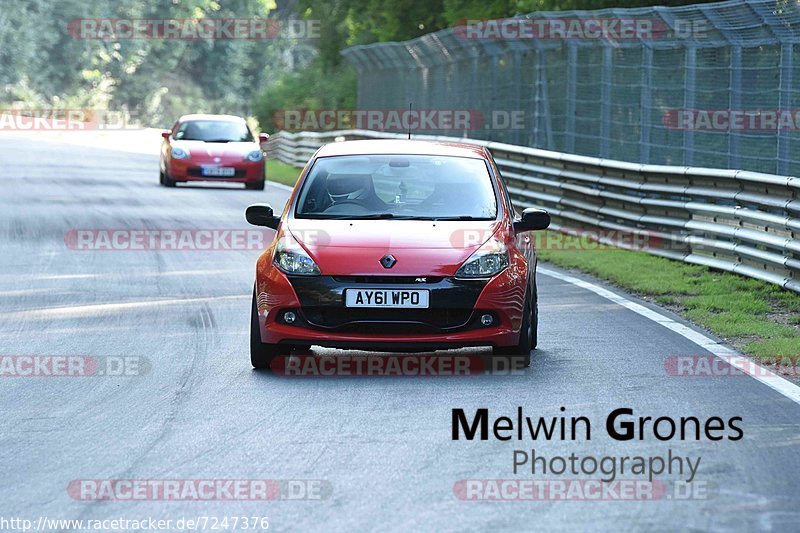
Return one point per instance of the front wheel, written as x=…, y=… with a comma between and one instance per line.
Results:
x=527, y=336
x=256, y=186
x=261, y=354
x=165, y=180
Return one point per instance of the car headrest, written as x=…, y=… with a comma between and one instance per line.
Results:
x=342, y=184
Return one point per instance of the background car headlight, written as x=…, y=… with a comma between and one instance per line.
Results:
x=255, y=156
x=292, y=259
x=179, y=153
x=490, y=259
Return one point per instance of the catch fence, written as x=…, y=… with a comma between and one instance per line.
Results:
x=710, y=85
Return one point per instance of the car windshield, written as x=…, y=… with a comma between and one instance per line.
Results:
x=398, y=186
x=214, y=131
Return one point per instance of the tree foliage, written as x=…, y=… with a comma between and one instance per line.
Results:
x=42, y=65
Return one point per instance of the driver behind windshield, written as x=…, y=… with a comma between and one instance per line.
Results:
x=398, y=186
x=358, y=190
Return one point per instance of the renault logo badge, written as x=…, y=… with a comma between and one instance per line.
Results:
x=388, y=261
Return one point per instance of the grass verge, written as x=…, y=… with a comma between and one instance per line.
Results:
x=282, y=173
x=758, y=318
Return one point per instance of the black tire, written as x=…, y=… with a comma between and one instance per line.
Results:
x=521, y=352
x=167, y=181
x=262, y=354
x=257, y=186
x=535, y=317
x=164, y=179
x=535, y=325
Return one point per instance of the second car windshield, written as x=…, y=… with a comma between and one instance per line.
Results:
x=398, y=186
x=213, y=131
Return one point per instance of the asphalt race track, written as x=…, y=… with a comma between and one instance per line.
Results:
x=380, y=447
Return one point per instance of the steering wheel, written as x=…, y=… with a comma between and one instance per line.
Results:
x=336, y=209
x=348, y=202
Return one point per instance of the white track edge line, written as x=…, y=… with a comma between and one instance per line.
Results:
x=737, y=360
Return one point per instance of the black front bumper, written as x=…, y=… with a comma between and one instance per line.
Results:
x=451, y=305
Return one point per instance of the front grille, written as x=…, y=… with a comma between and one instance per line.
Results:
x=387, y=280
x=387, y=320
x=451, y=304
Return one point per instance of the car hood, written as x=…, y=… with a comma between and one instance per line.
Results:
x=420, y=247
x=204, y=149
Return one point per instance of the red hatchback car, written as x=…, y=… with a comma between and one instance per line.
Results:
x=217, y=148
x=398, y=246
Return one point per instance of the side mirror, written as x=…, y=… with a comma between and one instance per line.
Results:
x=166, y=133
x=262, y=215
x=263, y=137
x=532, y=219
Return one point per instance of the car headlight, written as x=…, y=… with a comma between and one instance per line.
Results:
x=179, y=153
x=490, y=259
x=292, y=259
x=255, y=156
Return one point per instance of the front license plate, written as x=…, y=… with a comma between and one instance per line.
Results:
x=225, y=172
x=394, y=298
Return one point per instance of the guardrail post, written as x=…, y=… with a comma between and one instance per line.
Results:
x=784, y=105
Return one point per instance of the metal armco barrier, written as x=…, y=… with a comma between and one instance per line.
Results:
x=732, y=220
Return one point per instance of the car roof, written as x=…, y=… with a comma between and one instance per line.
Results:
x=405, y=147
x=200, y=116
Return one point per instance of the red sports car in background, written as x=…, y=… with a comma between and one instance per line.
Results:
x=217, y=148
x=397, y=245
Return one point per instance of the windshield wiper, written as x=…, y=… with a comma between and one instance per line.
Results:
x=459, y=217
x=385, y=215
x=370, y=216
x=219, y=141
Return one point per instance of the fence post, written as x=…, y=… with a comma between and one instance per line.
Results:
x=516, y=135
x=784, y=104
x=735, y=103
x=572, y=81
x=646, y=104
x=688, y=102
x=544, y=101
x=605, y=101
